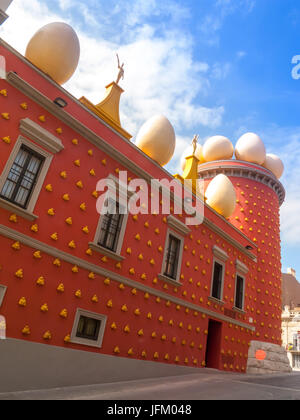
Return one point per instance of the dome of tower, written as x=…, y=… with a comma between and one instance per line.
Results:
x=157, y=139
x=250, y=148
x=55, y=50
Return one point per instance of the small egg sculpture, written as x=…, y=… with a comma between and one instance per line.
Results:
x=250, y=148
x=217, y=148
x=156, y=139
x=221, y=196
x=274, y=164
x=189, y=152
x=55, y=50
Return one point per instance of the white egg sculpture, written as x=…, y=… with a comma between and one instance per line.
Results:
x=189, y=152
x=274, y=164
x=221, y=196
x=250, y=148
x=55, y=50
x=157, y=139
x=217, y=148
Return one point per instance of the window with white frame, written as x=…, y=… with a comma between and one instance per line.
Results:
x=172, y=256
x=25, y=170
x=111, y=225
x=111, y=228
x=2, y=293
x=22, y=177
x=239, y=292
x=217, y=282
x=240, y=284
x=88, y=328
x=172, y=259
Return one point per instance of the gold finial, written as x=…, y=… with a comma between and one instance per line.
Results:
x=121, y=70
x=108, y=108
x=195, y=143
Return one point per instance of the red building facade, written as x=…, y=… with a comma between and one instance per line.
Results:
x=58, y=284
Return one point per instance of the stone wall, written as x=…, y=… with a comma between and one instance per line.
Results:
x=276, y=360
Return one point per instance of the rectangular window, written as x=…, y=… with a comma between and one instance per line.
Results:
x=239, y=292
x=88, y=328
x=111, y=224
x=217, y=281
x=22, y=177
x=172, y=257
x=2, y=293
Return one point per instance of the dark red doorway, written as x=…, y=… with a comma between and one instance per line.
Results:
x=212, y=355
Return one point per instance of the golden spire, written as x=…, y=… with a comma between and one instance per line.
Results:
x=108, y=108
x=191, y=168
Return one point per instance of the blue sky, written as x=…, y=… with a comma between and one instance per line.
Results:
x=211, y=66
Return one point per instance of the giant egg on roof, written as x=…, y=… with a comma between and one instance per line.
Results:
x=55, y=50
x=221, y=196
x=274, y=164
x=217, y=148
x=156, y=139
x=250, y=148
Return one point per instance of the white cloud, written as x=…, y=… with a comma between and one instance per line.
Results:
x=161, y=74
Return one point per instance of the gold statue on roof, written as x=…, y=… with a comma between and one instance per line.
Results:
x=195, y=143
x=121, y=71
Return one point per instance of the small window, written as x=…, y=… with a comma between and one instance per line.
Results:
x=22, y=177
x=217, y=281
x=88, y=328
x=2, y=293
x=239, y=292
x=172, y=257
x=111, y=224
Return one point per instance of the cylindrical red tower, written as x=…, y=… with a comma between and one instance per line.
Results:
x=259, y=197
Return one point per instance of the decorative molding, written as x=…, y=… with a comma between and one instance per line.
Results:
x=176, y=224
x=56, y=253
x=241, y=267
x=254, y=174
x=219, y=253
x=41, y=136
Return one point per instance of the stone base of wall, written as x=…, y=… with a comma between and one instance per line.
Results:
x=276, y=360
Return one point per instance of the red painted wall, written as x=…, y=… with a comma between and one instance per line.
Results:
x=187, y=328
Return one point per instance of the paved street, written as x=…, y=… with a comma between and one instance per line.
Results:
x=207, y=385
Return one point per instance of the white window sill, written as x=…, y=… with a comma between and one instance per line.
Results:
x=241, y=311
x=216, y=300
x=106, y=252
x=169, y=280
x=17, y=210
x=85, y=342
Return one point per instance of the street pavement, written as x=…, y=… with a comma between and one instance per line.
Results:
x=209, y=384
